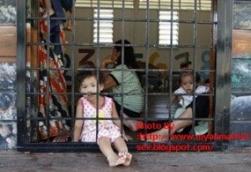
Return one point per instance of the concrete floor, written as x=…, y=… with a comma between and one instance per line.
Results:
x=228, y=161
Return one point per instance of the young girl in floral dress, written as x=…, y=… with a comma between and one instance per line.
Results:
x=108, y=131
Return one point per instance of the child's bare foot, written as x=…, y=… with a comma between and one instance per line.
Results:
x=127, y=156
x=120, y=161
x=115, y=161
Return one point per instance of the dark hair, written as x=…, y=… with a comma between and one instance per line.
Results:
x=185, y=65
x=189, y=73
x=87, y=64
x=129, y=57
x=184, y=74
x=81, y=76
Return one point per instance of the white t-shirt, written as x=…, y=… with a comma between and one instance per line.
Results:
x=187, y=99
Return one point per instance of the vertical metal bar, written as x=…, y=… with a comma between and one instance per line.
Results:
x=21, y=65
x=73, y=34
x=171, y=67
x=223, y=67
x=28, y=73
x=97, y=72
x=48, y=92
x=194, y=61
x=146, y=49
x=35, y=13
x=123, y=62
x=212, y=75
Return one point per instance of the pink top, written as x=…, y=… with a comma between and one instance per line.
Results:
x=106, y=127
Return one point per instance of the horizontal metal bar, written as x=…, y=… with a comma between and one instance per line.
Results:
x=11, y=91
x=116, y=94
x=8, y=120
x=110, y=45
x=241, y=93
x=110, y=70
x=91, y=19
x=93, y=147
x=67, y=118
x=141, y=119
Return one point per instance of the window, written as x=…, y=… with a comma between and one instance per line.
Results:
x=103, y=26
x=47, y=107
x=177, y=4
x=105, y=3
x=166, y=34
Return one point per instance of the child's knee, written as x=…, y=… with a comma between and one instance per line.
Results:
x=102, y=140
x=118, y=139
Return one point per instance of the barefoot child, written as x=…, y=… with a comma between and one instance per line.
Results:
x=108, y=130
x=183, y=95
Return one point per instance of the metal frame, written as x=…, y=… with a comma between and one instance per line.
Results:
x=223, y=68
x=222, y=93
x=21, y=47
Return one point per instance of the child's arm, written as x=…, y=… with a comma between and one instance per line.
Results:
x=115, y=115
x=117, y=121
x=78, y=122
x=175, y=99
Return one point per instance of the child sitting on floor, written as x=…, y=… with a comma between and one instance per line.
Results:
x=109, y=130
x=183, y=100
x=186, y=87
x=189, y=104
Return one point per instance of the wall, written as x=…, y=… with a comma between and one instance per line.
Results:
x=7, y=31
x=135, y=32
x=7, y=74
